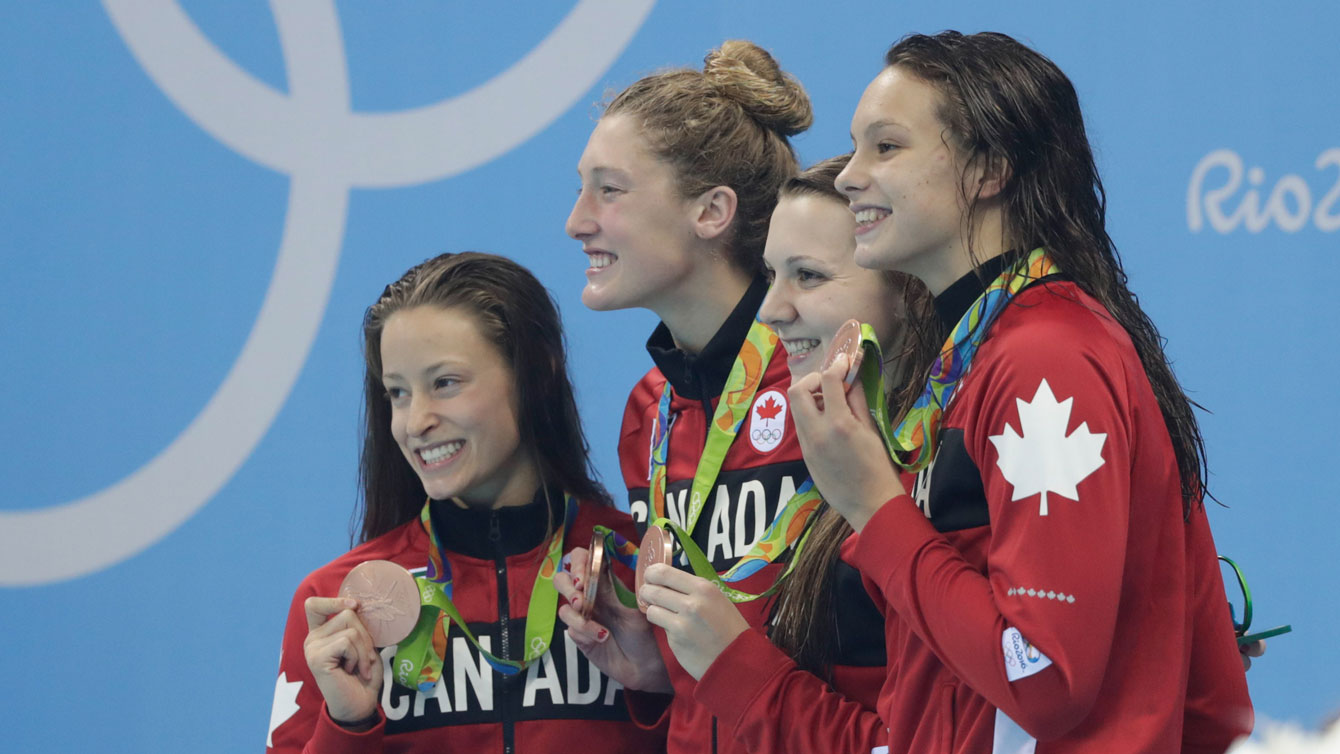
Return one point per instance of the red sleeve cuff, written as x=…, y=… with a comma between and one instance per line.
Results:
x=330, y=738
x=648, y=710
x=739, y=675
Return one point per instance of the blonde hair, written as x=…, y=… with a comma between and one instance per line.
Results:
x=726, y=125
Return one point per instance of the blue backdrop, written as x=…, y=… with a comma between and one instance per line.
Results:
x=199, y=200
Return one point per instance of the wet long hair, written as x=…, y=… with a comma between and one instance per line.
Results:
x=804, y=615
x=1011, y=111
x=515, y=313
x=726, y=125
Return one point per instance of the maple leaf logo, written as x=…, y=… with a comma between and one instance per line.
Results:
x=769, y=410
x=1044, y=459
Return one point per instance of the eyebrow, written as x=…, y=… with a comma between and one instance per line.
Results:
x=431, y=368
x=875, y=126
x=602, y=171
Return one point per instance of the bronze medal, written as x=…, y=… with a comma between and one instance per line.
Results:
x=595, y=565
x=847, y=340
x=658, y=546
x=388, y=600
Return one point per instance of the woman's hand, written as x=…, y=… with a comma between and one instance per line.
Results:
x=699, y=621
x=621, y=644
x=339, y=652
x=1248, y=651
x=843, y=451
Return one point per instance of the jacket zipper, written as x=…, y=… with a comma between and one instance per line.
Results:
x=504, y=633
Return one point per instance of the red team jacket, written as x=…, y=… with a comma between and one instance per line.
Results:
x=752, y=698
x=1044, y=593
x=556, y=704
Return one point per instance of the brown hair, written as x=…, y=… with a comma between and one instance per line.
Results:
x=1011, y=109
x=515, y=312
x=804, y=616
x=726, y=125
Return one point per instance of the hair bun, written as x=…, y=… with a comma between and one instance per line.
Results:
x=746, y=74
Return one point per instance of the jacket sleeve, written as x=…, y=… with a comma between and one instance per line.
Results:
x=1218, y=708
x=298, y=720
x=1053, y=419
x=774, y=706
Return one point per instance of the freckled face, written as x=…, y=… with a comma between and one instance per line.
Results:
x=904, y=181
x=816, y=283
x=454, y=408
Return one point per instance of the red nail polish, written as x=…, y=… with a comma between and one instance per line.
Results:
x=602, y=635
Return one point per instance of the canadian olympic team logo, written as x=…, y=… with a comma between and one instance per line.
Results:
x=1214, y=195
x=767, y=421
x=313, y=135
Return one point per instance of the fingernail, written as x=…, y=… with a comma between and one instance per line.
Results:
x=576, y=582
x=350, y=603
x=602, y=635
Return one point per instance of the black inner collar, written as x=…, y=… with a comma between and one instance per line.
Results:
x=521, y=528
x=954, y=301
x=703, y=376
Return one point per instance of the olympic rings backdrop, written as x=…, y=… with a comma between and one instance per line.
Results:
x=200, y=199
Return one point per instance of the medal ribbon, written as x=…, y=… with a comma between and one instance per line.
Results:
x=913, y=443
x=418, y=659
x=792, y=521
x=746, y=374
x=625, y=552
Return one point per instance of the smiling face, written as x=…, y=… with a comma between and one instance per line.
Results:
x=816, y=283
x=635, y=229
x=454, y=408
x=905, y=182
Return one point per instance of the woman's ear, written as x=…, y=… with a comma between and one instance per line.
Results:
x=995, y=174
x=713, y=212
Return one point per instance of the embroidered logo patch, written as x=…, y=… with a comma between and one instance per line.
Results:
x=767, y=421
x=1021, y=658
x=1044, y=459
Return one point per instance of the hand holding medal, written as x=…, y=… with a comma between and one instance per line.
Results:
x=377, y=606
x=615, y=636
x=698, y=618
x=843, y=439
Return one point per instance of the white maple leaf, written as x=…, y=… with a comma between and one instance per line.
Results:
x=285, y=704
x=1044, y=459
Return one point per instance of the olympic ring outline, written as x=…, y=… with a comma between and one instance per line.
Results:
x=387, y=151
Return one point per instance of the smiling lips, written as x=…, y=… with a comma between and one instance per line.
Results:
x=868, y=217
x=599, y=259
x=799, y=348
x=438, y=455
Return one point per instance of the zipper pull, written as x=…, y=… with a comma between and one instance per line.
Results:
x=495, y=532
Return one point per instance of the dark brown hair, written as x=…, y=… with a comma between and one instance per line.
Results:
x=804, y=615
x=726, y=125
x=1013, y=112
x=517, y=314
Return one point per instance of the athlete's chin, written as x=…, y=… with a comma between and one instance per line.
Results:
x=440, y=487
x=874, y=256
x=602, y=299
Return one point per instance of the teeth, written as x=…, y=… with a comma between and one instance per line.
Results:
x=439, y=453
x=599, y=259
x=800, y=347
x=867, y=216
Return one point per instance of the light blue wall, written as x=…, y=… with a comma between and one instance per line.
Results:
x=142, y=230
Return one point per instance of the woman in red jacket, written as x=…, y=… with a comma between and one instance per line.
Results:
x=1050, y=579
x=475, y=475
x=679, y=183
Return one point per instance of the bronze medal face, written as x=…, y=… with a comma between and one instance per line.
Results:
x=658, y=546
x=595, y=566
x=388, y=600
x=847, y=340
